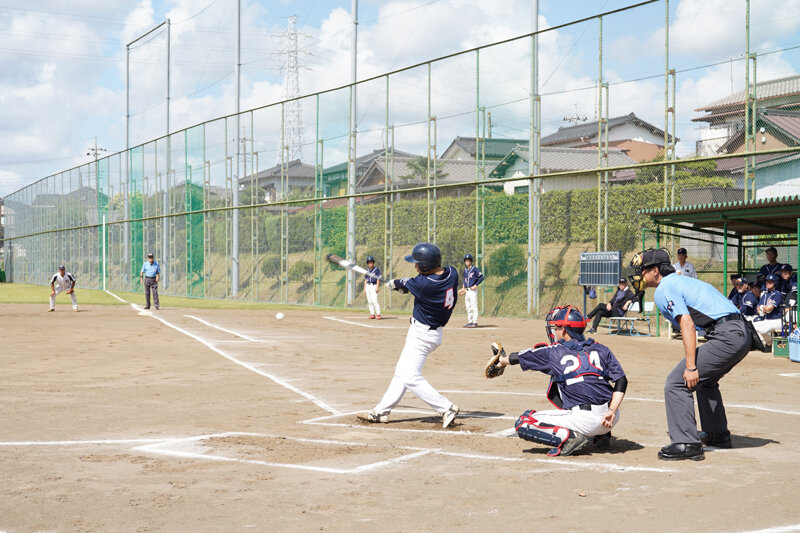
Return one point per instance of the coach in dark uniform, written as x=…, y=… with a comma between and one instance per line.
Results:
x=692, y=304
x=772, y=266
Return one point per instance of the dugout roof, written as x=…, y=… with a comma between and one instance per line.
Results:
x=761, y=217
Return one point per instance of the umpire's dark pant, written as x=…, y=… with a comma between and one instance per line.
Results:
x=727, y=344
x=600, y=312
x=150, y=284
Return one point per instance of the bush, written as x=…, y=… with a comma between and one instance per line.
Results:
x=509, y=260
x=271, y=266
x=301, y=271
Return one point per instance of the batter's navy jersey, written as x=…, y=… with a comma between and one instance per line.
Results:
x=773, y=298
x=434, y=296
x=682, y=295
x=747, y=303
x=374, y=273
x=472, y=277
x=564, y=358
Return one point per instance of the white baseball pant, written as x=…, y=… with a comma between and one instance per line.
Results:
x=420, y=342
x=471, y=303
x=372, y=298
x=59, y=290
x=590, y=423
x=765, y=329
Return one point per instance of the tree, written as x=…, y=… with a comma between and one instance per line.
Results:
x=418, y=168
x=509, y=260
x=301, y=271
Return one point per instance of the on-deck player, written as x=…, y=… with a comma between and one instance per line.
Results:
x=434, y=291
x=372, y=283
x=581, y=373
x=472, y=278
x=62, y=281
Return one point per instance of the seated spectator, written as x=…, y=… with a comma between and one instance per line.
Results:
x=733, y=292
x=769, y=313
x=745, y=300
x=684, y=267
x=772, y=266
x=788, y=282
x=618, y=305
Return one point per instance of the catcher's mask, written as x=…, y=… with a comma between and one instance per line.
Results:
x=644, y=260
x=567, y=317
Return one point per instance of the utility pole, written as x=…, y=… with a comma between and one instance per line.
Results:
x=95, y=150
x=351, y=160
x=534, y=184
x=165, y=200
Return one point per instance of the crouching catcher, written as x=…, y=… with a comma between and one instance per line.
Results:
x=581, y=375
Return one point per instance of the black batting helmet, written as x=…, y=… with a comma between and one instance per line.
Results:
x=428, y=256
x=370, y=259
x=468, y=256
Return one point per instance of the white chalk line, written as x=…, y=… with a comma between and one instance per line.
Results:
x=775, y=529
x=316, y=400
x=790, y=375
x=87, y=442
x=371, y=326
x=209, y=324
x=628, y=398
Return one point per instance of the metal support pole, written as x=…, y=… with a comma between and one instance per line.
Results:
x=534, y=184
x=658, y=313
x=126, y=206
x=104, y=252
x=351, y=156
x=164, y=222
x=318, y=193
x=236, y=167
x=600, y=115
x=725, y=256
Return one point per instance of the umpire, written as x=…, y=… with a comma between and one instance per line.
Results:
x=692, y=304
x=149, y=276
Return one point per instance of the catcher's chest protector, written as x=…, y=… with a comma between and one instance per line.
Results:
x=577, y=366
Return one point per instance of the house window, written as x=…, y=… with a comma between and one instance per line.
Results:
x=521, y=189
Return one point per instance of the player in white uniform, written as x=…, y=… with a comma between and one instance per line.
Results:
x=434, y=291
x=62, y=281
x=372, y=283
x=472, y=278
x=683, y=267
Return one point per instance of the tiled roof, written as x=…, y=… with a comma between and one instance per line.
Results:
x=784, y=201
x=455, y=171
x=765, y=90
x=294, y=169
x=589, y=129
x=364, y=161
x=557, y=159
x=494, y=148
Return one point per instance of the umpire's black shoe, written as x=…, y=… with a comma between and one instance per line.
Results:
x=718, y=440
x=603, y=442
x=678, y=451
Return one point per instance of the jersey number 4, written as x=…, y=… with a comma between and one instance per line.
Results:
x=449, y=299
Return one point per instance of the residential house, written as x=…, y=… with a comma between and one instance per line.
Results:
x=299, y=176
x=491, y=149
x=640, y=140
x=334, y=179
x=725, y=117
x=560, y=159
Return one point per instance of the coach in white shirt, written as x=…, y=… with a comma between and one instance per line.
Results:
x=684, y=267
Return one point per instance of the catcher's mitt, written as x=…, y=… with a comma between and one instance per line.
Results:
x=493, y=369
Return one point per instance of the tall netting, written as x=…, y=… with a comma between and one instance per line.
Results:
x=523, y=153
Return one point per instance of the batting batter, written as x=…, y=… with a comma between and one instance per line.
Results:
x=434, y=291
x=581, y=375
x=472, y=278
x=62, y=281
x=372, y=282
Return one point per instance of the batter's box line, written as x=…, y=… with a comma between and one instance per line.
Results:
x=163, y=448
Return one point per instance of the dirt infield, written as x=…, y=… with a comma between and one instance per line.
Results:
x=226, y=420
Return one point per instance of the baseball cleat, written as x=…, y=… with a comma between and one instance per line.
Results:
x=466, y=325
x=374, y=418
x=678, y=451
x=75, y=310
x=371, y=316
x=50, y=310
x=591, y=330
x=449, y=415
x=377, y=317
x=574, y=442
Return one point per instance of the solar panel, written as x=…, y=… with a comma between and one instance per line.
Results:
x=600, y=269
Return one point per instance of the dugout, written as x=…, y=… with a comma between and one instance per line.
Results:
x=744, y=226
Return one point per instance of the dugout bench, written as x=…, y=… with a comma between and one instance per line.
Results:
x=627, y=325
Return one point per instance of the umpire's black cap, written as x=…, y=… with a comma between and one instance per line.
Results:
x=655, y=257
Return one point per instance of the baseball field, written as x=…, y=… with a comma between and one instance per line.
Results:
x=200, y=419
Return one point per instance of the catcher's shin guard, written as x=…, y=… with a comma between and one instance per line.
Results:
x=530, y=429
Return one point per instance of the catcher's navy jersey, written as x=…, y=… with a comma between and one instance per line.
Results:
x=564, y=358
x=472, y=277
x=434, y=296
x=372, y=277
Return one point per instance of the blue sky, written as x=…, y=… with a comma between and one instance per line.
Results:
x=63, y=66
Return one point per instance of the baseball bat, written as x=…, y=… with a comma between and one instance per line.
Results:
x=349, y=265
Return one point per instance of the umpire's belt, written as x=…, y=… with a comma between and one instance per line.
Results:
x=413, y=320
x=150, y=277
x=726, y=318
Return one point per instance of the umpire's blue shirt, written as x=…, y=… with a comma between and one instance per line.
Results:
x=682, y=295
x=149, y=270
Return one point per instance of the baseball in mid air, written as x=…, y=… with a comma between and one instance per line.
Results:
x=279, y=316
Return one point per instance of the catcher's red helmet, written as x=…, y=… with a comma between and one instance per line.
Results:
x=566, y=316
